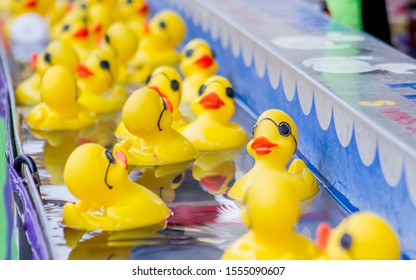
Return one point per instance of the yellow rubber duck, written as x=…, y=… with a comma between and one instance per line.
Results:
x=197, y=65
x=155, y=142
x=41, y=7
x=123, y=42
x=360, y=236
x=215, y=170
x=74, y=30
x=271, y=213
x=273, y=144
x=133, y=13
x=164, y=33
x=99, y=19
x=166, y=81
x=214, y=109
x=108, y=199
x=162, y=180
x=59, y=109
x=56, y=53
x=97, y=78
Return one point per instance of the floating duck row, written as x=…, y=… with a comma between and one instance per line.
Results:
x=84, y=72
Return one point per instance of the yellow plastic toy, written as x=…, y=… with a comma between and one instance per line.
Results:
x=214, y=108
x=56, y=53
x=271, y=213
x=274, y=142
x=97, y=78
x=166, y=81
x=215, y=170
x=163, y=180
x=124, y=44
x=134, y=14
x=165, y=31
x=155, y=142
x=41, y=7
x=197, y=65
x=60, y=109
x=108, y=199
x=99, y=19
x=360, y=236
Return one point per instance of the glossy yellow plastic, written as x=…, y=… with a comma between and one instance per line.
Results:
x=59, y=109
x=166, y=81
x=97, y=78
x=197, y=65
x=360, y=236
x=274, y=142
x=163, y=180
x=155, y=142
x=134, y=14
x=41, y=7
x=212, y=129
x=164, y=33
x=56, y=53
x=123, y=42
x=215, y=170
x=99, y=19
x=108, y=199
x=271, y=213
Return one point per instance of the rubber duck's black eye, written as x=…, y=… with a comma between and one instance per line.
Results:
x=148, y=80
x=104, y=64
x=189, y=53
x=129, y=1
x=346, y=241
x=253, y=129
x=177, y=179
x=230, y=92
x=162, y=24
x=66, y=27
x=284, y=129
x=110, y=157
x=107, y=39
x=174, y=85
x=201, y=90
x=47, y=58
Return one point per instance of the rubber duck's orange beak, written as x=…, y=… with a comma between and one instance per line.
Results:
x=143, y=9
x=83, y=71
x=262, y=146
x=81, y=33
x=97, y=28
x=211, y=101
x=34, y=60
x=204, y=61
x=122, y=158
x=146, y=27
x=31, y=4
x=213, y=183
x=165, y=98
x=322, y=234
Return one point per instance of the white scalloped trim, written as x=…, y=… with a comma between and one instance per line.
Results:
x=366, y=141
x=289, y=82
x=305, y=95
x=214, y=29
x=259, y=62
x=323, y=107
x=247, y=51
x=224, y=37
x=343, y=124
x=235, y=43
x=391, y=161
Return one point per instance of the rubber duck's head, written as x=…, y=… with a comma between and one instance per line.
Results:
x=99, y=71
x=271, y=211
x=274, y=137
x=216, y=97
x=360, y=236
x=132, y=9
x=93, y=174
x=145, y=113
x=19, y=7
x=166, y=29
x=74, y=29
x=56, y=53
x=121, y=40
x=58, y=90
x=166, y=81
x=98, y=18
x=197, y=56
